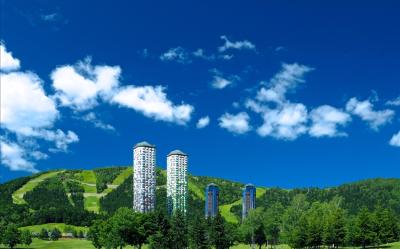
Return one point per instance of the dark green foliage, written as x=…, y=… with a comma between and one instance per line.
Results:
x=55, y=234
x=122, y=196
x=11, y=236
x=198, y=236
x=26, y=237
x=179, y=231
x=106, y=176
x=49, y=193
x=8, y=188
x=219, y=236
x=44, y=234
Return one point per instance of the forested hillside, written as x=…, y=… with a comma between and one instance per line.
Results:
x=77, y=196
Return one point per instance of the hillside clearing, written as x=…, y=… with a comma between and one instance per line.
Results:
x=18, y=196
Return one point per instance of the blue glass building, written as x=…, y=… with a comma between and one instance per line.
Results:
x=249, y=199
x=212, y=194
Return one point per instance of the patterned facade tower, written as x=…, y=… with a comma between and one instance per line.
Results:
x=212, y=195
x=249, y=199
x=144, y=177
x=177, y=182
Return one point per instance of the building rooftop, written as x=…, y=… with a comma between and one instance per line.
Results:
x=144, y=144
x=177, y=152
x=249, y=186
x=212, y=184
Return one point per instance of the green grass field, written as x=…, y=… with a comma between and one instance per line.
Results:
x=85, y=244
x=226, y=212
x=18, y=196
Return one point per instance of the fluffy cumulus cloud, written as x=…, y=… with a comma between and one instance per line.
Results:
x=395, y=141
x=238, y=124
x=203, y=122
x=286, y=122
x=220, y=81
x=25, y=107
x=80, y=86
x=14, y=156
x=239, y=45
x=285, y=80
x=282, y=119
x=7, y=61
x=153, y=102
x=365, y=110
x=326, y=121
x=28, y=116
x=177, y=54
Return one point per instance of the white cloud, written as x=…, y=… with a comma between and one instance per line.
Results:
x=394, y=102
x=28, y=115
x=325, y=121
x=239, y=45
x=79, y=86
x=7, y=61
x=24, y=104
x=50, y=17
x=153, y=102
x=203, y=122
x=238, y=123
x=199, y=53
x=365, y=110
x=177, y=54
x=219, y=81
x=286, y=122
x=61, y=140
x=285, y=80
x=15, y=157
x=93, y=119
x=395, y=141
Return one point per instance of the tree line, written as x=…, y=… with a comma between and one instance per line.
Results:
x=300, y=225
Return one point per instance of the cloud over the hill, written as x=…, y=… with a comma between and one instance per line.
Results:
x=152, y=102
x=365, y=110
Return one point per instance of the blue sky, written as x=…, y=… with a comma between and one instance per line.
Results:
x=275, y=93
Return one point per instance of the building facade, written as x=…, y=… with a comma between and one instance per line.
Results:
x=177, y=181
x=212, y=195
x=144, y=177
x=249, y=199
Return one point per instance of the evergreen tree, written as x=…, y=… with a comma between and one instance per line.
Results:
x=388, y=227
x=366, y=227
x=219, y=236
x=178, y=232
x=26, y=237
x=198, y=237
x=161, y=239
x=335, y=230
x=11, y=236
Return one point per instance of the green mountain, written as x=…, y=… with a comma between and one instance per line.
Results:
x=76, y=196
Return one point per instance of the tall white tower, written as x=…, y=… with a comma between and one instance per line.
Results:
x=177, y=182
x=144, y=177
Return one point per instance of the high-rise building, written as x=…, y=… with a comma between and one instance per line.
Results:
x=144, y=177
x=212, y=194
x=177, y=182
x=249, y=199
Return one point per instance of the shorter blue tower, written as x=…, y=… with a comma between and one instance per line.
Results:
x=249, y=199
x=212, y=194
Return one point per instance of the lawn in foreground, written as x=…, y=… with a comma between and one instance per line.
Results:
x=85, y=244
